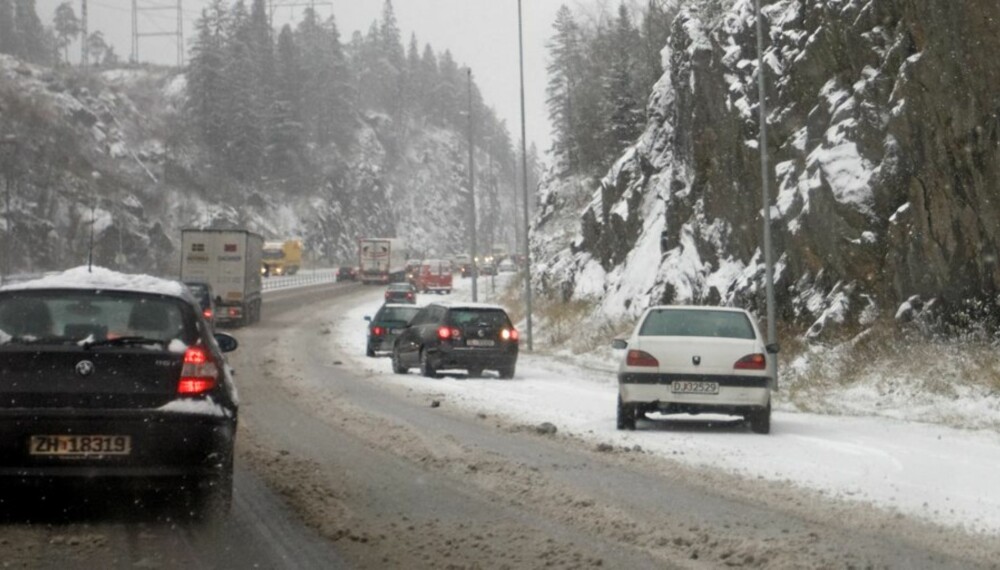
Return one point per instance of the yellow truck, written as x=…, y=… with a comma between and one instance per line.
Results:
x=281, y=257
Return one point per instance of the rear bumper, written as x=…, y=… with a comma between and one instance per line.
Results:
x=655, y=391
x=163, y=444
x=465, y=358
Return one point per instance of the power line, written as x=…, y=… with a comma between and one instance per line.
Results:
x=273, y=5
x=146, y=11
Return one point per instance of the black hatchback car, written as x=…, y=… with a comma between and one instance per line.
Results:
x=470, y=336
x=107, y=377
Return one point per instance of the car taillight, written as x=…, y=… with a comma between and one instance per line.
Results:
x=640, y=358
x=509, y=334
x=445, y=333
x=207, y=313
x=751, y=362
x=199, y=373
x=409, y=295
x=386, y=294
x=378, y=331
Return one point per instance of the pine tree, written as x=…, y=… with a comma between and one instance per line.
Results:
x=244, y=135
x=429, y=79
x=564, y=71
x=31, y=37
x=286, y=147
x=206, y=77
x=8, y=35
x=446, y=93
x=622, y=111
x=67, y=27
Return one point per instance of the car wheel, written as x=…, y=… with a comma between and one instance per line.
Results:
x=214, y=495
x=369, y=351
x=426, y=368
x=626, y=415
x=760, y=420
x=397, y=364
x=507, y=372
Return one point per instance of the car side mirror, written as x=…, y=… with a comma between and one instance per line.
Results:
x=226, y=342
x=772, y=348
x=619, y=344
x=368, y=318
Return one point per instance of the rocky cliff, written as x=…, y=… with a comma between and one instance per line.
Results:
x=884, y=137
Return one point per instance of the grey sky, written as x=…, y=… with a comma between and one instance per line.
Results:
x=479, y=33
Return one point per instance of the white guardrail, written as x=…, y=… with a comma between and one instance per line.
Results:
x=301, y=279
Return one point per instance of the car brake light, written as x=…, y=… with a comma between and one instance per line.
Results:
x=378, y=331
x=207, y=313
x=509, y=334
x=445, y=333
x=199, y=373
x=751, y=362
x=640, y=358
x=409, y=295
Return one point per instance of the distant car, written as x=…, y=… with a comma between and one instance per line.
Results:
x=347, y=273
x=466, y=336
x=387, y=323
x=112, y=377
x=202, y=292
x=487, y=268
x=507, y=266
x=401, y=293
x=686, y=359
x=434, y=275
x=412, y=267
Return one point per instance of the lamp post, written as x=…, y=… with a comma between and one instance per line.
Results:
x=8, y=141
x=772, y=334
x=472, y=193
x=524, y=181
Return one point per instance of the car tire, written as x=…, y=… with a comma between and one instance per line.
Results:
x=214, y=495
x=426, y=368
x=507, y=372
x=626, y=416
x=369, y=351
x=760, y=420
x=397, y=364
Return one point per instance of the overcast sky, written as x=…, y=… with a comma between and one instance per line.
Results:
x=479, y=33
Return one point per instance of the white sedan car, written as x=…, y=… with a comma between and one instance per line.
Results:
x=690, y=359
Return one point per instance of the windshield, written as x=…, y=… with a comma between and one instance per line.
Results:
x=396, y=314
x=57, y=318
x=478, y=317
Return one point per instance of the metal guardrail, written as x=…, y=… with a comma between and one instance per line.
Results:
x=303, y=278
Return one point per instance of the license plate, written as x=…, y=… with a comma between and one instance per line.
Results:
x=685, y=387
x=395, y=331
x=80, y=445
x=476, y=342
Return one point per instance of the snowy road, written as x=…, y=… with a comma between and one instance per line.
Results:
x=942, y=474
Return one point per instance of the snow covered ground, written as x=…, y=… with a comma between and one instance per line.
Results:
x=942, y=474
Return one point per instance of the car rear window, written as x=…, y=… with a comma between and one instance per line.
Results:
x=681, y=322
x=60, y=317
x=488, y=317
x=396, y=314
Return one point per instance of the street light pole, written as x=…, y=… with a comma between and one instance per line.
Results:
x=524, y=181
x=772, y=334
x=7, y=141
x=472, y=194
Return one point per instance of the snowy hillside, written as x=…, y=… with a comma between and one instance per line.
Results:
x=882, y=128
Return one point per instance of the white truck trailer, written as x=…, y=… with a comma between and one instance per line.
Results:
x=229, y=261
x=382, y=260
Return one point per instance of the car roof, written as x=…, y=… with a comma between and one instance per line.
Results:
x=468, y=305
x=402, y=306
x=100, y=278
x=699, y=308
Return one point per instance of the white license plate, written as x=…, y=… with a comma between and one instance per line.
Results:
x=476, y=342
x=80, y=445
x=685, y=387
x=395, y=331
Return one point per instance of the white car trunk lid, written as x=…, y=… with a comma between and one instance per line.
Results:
x=678, y=355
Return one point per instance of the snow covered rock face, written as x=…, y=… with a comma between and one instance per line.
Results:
x=883, y=137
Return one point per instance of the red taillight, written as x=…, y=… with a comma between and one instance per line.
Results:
x=509, y=334
x=751, y=362
x=640, y=358
x=378, y=331
x=207, y=313
x=199, y=373
x=409, y=295
x=445, y=333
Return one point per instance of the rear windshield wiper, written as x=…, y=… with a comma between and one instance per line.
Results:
x=123, y=341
